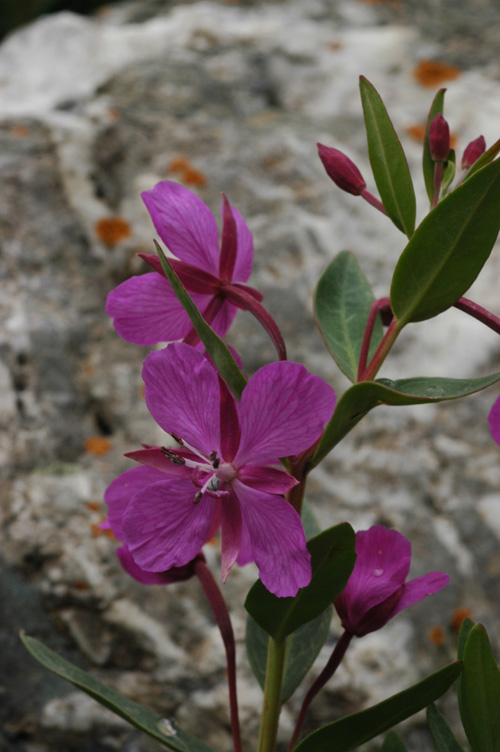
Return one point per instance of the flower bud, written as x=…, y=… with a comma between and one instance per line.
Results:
x=439, y=139
x=473, y=151
x=342, y=170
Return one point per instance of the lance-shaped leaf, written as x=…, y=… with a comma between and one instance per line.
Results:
x=163, y=730
x=360, y=398
x=443, y=736
x=393, y=743
x=427, y=161
x=388, y=160
x=302, y=650
x=448, y=249
x=332, y=561
x=342, y=303
x=216, y=347
x=479, y=693
x=448, y=172
x=352, y=730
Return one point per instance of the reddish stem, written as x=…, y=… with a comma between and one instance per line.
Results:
x=239, y=296
x=478, y=312
x=382, y=351
x=373, y=200
x=327, y=673
x=219, y=608
x=383, y=304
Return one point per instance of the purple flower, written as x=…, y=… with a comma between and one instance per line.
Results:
x=439, y=139
x=117, y=497
x=224, y=471
x=341, y=170
x=494, y=421
x=144, y=308
x=473, y=151
x=377, y=589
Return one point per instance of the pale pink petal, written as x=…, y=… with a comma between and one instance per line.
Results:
x=382, y=565
x=417, y=589
x=185, y=224
x=277, y=539
x=162, y=526
x=230, y=532
x=145, y=310
x=269, y=479
x=121, y=491
x=494, y=421
x=244, y=253
x=182, y=395
x=283, y=411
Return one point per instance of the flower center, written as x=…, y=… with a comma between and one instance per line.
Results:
x=208, y=472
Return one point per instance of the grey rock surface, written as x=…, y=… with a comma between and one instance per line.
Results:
x=225, y=97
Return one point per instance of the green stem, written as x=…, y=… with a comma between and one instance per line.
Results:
x=271, y=706
x=382, y=350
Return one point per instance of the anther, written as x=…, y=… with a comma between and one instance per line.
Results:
x=177, y=439
x=172, y=456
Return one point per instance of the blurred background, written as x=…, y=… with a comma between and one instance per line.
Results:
x=100, y=102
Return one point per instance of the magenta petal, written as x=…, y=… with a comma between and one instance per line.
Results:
x=244, y=253
x=185, y=224
x=176, y=574
x=120, y=492
x=382, y=565
x=283, y=411
x=494, y=421
x=163, y=528
x=269, y=479
x=145, y=310
x=154, y=457
x=223, y=318
x=277, y=539
x=417, y=589
x=245, y=555
x=182, y=395
x=231, y=533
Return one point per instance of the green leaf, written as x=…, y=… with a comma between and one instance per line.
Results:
x=442, y=734
x=145, y=720
x=463, y=635
x=479, y=693
x=393, y=743
x=352, y=730
x=332, y=560
x=448, y=249
x=360, y=398
x=302, y=650
x=216, y=347
x=309, y=522
x=448, y=172
x=342, y=303
x=388, y=160
x=427, y=161
x=488, y=156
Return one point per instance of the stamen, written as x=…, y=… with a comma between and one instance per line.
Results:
x=188, y=446
x=208, y=485
x=172, y=456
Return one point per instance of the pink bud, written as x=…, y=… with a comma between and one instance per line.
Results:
x=439, y=139
x=342, y=170
x=473, y=151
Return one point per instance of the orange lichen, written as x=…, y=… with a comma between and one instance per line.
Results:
x=97, y=445
x=188, y=173
x=110, y=230
x=94, y=505
x=97, y=530
x=416, y=131
x=437, y=636
x=80, y=585
x=459, y=615
x=433, y=73
x=19, y=131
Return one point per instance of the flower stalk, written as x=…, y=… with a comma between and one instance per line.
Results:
x=271, y=705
